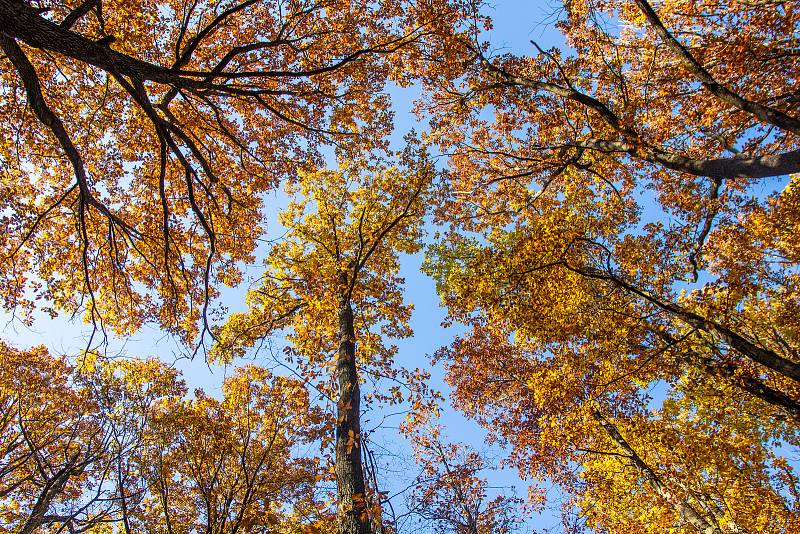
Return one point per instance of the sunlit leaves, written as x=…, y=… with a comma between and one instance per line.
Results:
x=346, y=231
x=140, y=189
x=615, y=262
x=120, y=443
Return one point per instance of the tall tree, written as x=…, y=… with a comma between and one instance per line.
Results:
x=552, y=334
x=117, y=444
x=229, y=465
x=628, y=460
x=612, y=231
x=637, y=108
x=332, y=284
x=139, y=139
x=451, y=496
x=66, y=449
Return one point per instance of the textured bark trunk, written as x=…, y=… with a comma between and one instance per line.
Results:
x=52, y=488
x=767, y=358
x=20, y=21
x=682, y=506
x=351, y=513
x=737, y=342
x=729, y=372
x=753, y=386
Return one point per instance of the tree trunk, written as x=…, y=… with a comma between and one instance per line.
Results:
x=739, y=343
x=682, y=506
x=729, y=372
x=753, y=386
x=351, y=513
x=52, y=487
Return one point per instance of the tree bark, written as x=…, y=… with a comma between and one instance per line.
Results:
x=630, y=142
x=53, y=486
x=753, y=386
x=351, y=513
x=22, y=22
x=682, y=506
x=768, y=358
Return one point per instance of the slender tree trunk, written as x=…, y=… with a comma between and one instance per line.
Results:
x=739, y=343
x=729, y=372
x=753, y=386
x=682, y=506
x=351, y=514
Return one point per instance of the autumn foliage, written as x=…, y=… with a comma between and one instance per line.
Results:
x=630, y=288
x=612, y=223
x=122, y=443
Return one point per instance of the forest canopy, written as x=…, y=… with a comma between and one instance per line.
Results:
x=610, y=222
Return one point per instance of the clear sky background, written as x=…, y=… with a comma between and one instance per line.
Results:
x=516, y=23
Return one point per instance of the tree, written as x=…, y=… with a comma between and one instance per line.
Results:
x=127, y=394
x=552, y=336
x=634, y=99
x=739, y=329
x=624, y=127
x=557, y=122
x=626, y=461
x=332, y=285
x=117, y=444
x=139, y=139
x=581, y=298
x=64, y=453
x=450, y=494
x=228, y=465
